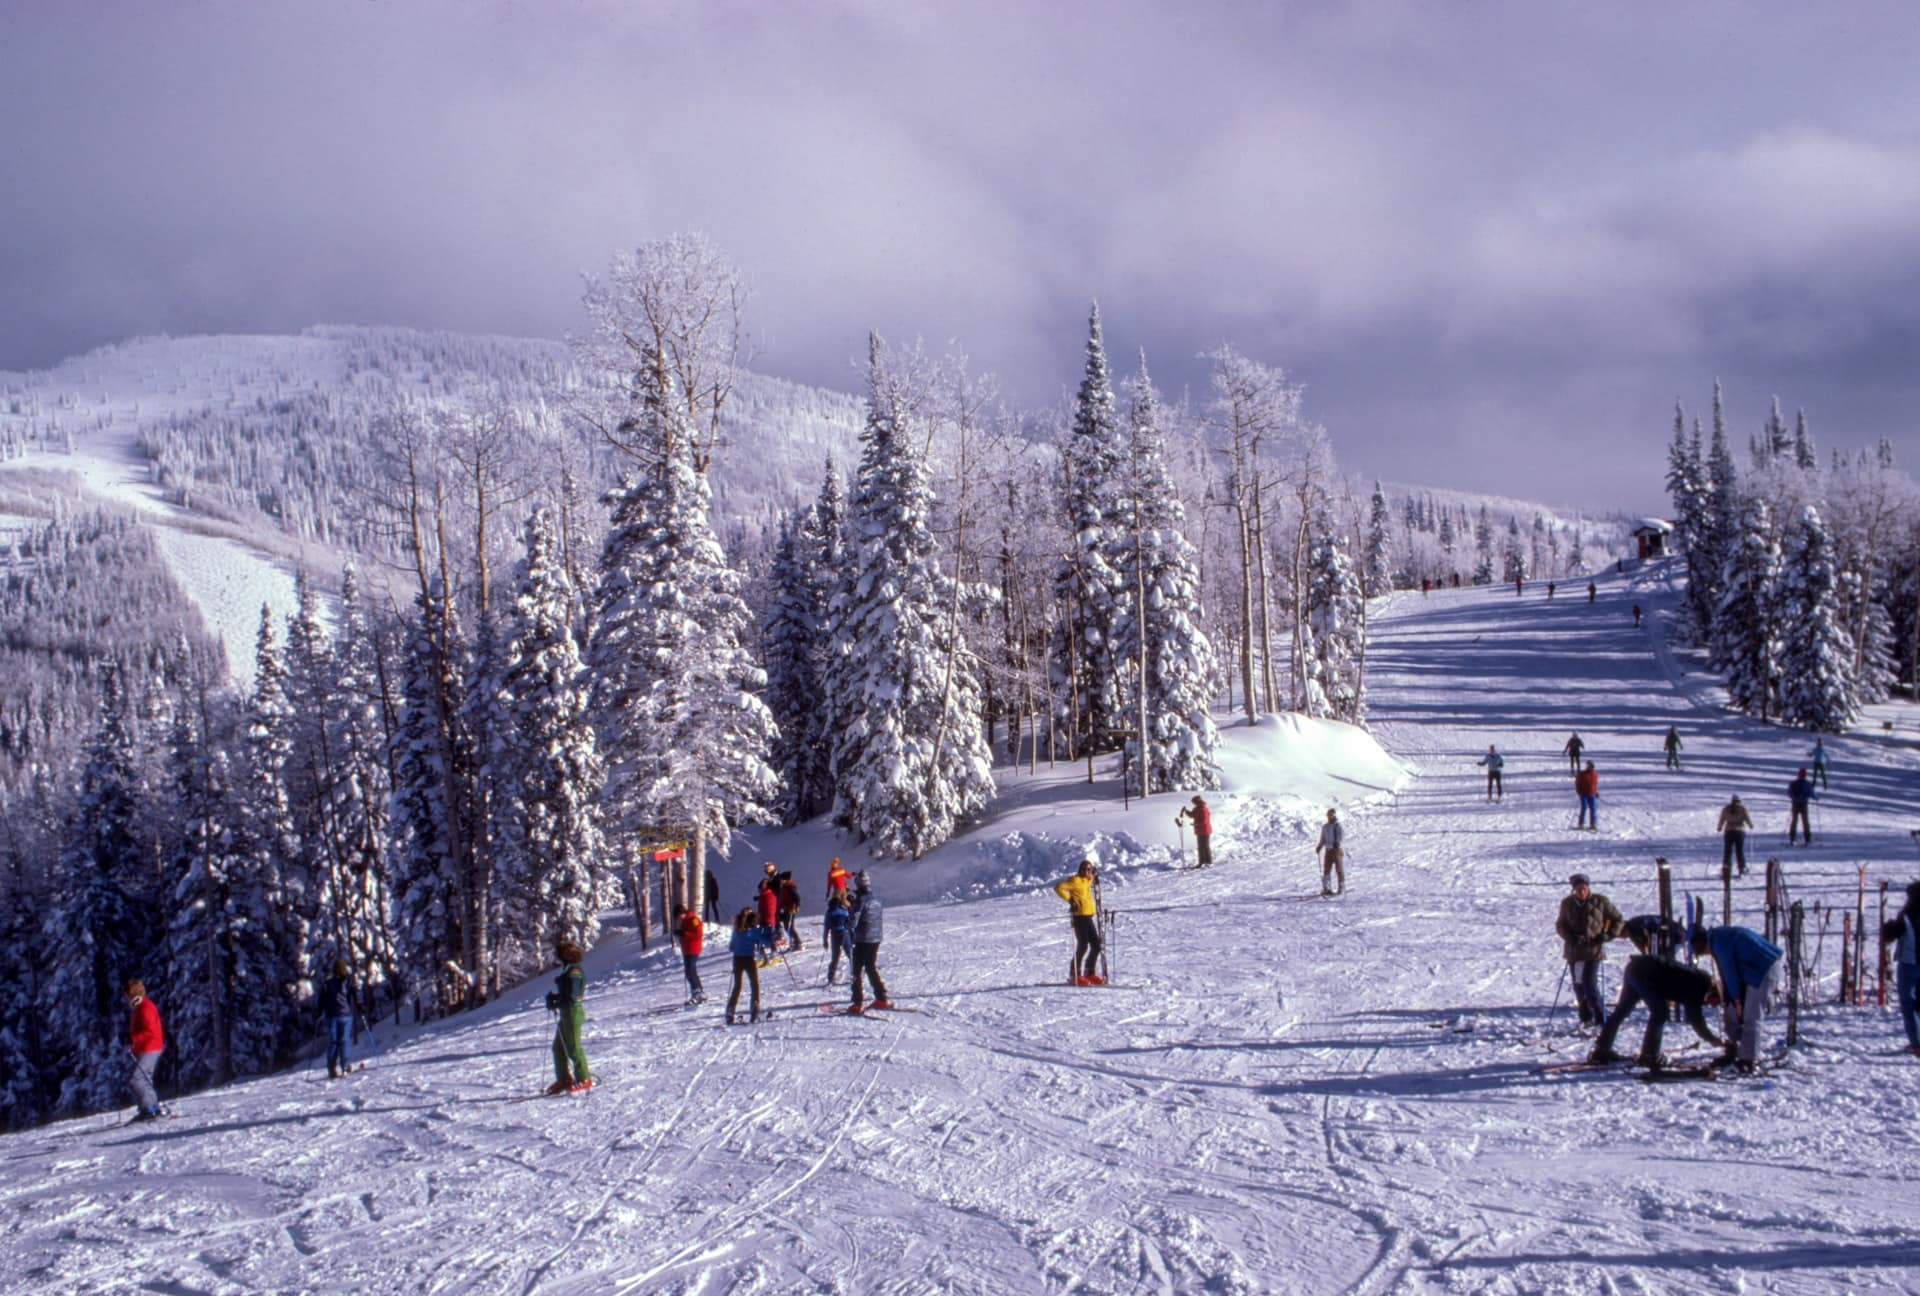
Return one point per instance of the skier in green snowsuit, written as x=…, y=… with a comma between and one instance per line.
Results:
x=569, y=999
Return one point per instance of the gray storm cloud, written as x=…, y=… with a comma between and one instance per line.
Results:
x=1482, y=235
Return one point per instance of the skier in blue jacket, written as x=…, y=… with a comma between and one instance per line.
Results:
x=865, y=929
x=1800, y=793
x=1819, y=758
x=839, y=915
x=1749, y=967
x=749, y=938
x=1904, y=933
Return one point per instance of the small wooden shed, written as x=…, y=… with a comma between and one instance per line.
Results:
x=1651, y=535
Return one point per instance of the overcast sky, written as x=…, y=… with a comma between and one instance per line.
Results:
x=1494, y=240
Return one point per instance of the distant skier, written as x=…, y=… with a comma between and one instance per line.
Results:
x=1586, y=784
x=1819, y=758
x=146, y=1041
x=691, y=933
x=835, y=931
x=336, y=1016
x=568, y=998
x=1732, y=826
x=1749, y=970
x=1636, y=616
x=789, y=892
x=1904, y=930
x=711, y=901
x=1426, y=586
x=1800, y=796
x=1673, y=747
x=1493, y=760
x=1657, y=982
x=1077, y=891
x=749, y=938
x=768, y=901
x=1333, y=856
x=864, y=926
x=1550, y=590
x=1202, y=830
x=1517, y=592
x=1573, y=749
x=1587, y=921
x=1590, y=591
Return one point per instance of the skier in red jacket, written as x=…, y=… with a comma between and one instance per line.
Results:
x=1587, y=784
x=768, y=902
x=692, y=935
x=1202, y=830
x=145, y=1041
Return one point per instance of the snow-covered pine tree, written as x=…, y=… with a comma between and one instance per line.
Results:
x=1816, y=653
x=1089, y=588
x=910, y=761
x=1338, y=616
x=1483, y=548
x=551, y=872
x=791, y=653
x=21, y=943
x=1377, y=573
x=1746, y=626
x=676, y=693
x=101, y=931
x=1160, y=574
x=268, y=844
x=1804, y=457
x=1514, y=556
x=427, y=874
x=822, y=547
x=1449, y=545
x=1712, y=549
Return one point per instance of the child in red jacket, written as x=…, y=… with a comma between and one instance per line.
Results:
x=1586, y=784
x=768, y=902
x=146, y=1042
x=692, y=935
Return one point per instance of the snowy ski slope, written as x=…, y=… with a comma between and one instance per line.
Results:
x=1280, y=1093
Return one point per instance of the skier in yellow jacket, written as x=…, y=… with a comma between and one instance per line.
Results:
x=1077, y=891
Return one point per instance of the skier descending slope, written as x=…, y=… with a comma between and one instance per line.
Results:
x=1587, y=785
x=569, y=1000
x=1573, y=749
x=1587, y=921
x=1077, y=891
x=1800, y=796
x=146, y=1041
x=1673, y=747
x=1494, y=762
x=866, y=929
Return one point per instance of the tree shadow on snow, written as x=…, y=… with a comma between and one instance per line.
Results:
x=157, y=1132
x=1409, y=1084
x=1810, y=1256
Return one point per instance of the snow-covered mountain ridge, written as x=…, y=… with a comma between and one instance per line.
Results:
x=1279, y=1092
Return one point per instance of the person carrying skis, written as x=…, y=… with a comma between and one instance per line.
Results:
x=1077, y=891
x=336, y=1015
x=1818, y=756
x=1673, y=747
x=1733, y=825
x=146, y=1041
x=865, y=927
x=1587, y=921
x=1202, y=830
x=1586, y=784
x=1800, y=796
x=839, y=915
x=1904, y=929
x=1749, y=967
x=691, y=935
x=789, y=907
x=1573, y=749
x=1333, y=856
x=768, y=901
x=568, y=998
x=1493, y=760
x=1657, y=982
x=749, y=936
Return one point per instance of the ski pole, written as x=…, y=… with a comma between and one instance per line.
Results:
x=1558, y=987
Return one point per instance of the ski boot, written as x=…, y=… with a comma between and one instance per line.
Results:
x=1604, y=1057
x=557, y=1087
x=580, y=1086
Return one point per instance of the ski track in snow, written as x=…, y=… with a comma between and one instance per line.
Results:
x=1282, y=1093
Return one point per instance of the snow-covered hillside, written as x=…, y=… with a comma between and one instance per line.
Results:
x=1279, y=1092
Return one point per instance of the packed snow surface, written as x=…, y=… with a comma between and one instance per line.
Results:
x=1279, y=1092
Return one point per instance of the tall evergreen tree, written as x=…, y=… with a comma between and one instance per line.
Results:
x=676, y=693
x=1816, y=653
x=1160, y=575
x=1089, y=587
x=1377, y=573
x=1483, y=548
x=1746, y=638
x=551, y=875
x=910, y=762
x=1338, y=617
x=793, y=658
x=1514, y=556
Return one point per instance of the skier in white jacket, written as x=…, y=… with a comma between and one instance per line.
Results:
x=1333, y=860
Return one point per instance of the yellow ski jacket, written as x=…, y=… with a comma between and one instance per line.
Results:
x=1078, y=893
